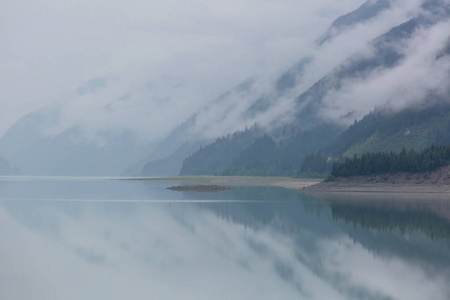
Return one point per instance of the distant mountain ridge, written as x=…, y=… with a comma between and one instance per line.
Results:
x=31, y=149
x=365, y=12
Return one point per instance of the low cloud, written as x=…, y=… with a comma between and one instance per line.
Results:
x=167, y=58
x=410, y=82
x=149, y=66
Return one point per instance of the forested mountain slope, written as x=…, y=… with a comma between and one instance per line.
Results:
x=380, y=131
x=262, y=156
x=412, y=128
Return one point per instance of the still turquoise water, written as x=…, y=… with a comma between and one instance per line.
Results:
x=94, y=238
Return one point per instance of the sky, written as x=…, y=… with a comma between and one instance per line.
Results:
x=146, y=64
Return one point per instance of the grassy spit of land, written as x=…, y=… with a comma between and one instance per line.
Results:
x=286, y=182
x=211, y=188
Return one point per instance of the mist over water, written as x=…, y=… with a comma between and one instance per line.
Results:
x=109, y=239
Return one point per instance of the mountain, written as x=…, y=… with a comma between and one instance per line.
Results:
x=169, y=166
x=382, y=130
x=398, y=138
x=412, y=128
x=387, y=53
x=249, y=154
x=30, y=145
x=216, y=157
x=246, y=104
x=364, y=13
x=309, y=114
x=298, y=100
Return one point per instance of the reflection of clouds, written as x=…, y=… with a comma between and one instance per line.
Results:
x=163, y=259
x=167, y=252
x=359, y=272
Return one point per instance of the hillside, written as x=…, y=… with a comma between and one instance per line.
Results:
x=313, y=91
x=214, y=158
x=380, y=163
x=380, y=131
x=276, y=154
x=413, y=128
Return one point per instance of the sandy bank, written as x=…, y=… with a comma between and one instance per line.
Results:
x=426, y=182
x=361, y=187
x=399, y=197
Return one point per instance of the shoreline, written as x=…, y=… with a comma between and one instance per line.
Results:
x=285, y=182
x=313, y=186
x=390, y=188
x=437, y=182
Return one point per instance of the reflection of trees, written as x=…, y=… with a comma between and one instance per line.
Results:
x=382, y=219
x=280, y=208
x=413, y=233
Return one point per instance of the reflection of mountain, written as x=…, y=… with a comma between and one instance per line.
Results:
x=274, y=237
x=389, y=219
x=412, y=232
x=6, y=169
x=277, y=207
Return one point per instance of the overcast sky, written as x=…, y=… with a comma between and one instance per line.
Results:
x=146, y=63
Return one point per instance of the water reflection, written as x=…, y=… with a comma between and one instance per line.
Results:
x=275, y=244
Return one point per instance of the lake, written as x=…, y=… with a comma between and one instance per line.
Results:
x=95, y=238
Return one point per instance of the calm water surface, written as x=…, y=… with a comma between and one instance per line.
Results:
x=105, y=239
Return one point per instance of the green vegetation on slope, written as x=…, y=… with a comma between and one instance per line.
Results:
x=413, y=128
x=214, y=158
x=266, y=157
x=311, y=153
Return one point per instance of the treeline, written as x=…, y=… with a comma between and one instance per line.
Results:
x=284, y=157
x=214, y=158
x=410, y=161
x=315, y=166
x=253, y=153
